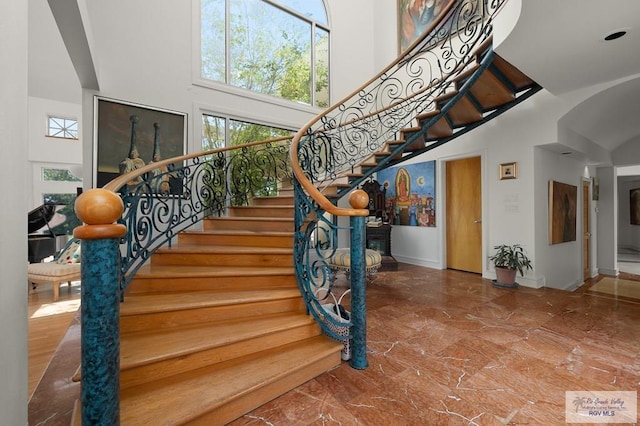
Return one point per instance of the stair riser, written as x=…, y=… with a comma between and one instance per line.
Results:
x=173, y=284
x=254, y=399
x=283, y=241
x=159, y=320
x=151, y=372
x=249, y=225
x=272, y=201
x=222, y=259
x=262, y=212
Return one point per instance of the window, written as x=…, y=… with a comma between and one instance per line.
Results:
x=218, y=132
x=67, y=220
x=65, y=128
x=59, y=175
x=278, y=48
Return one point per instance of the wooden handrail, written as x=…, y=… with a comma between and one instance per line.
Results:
x=116, y=184
x=308, y=186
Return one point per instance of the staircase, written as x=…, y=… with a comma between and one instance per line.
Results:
x=215, y=326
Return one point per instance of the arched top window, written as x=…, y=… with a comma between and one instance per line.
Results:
x=279, y=48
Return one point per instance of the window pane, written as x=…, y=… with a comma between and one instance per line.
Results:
x=322, y=68
x=67, y=220
x=314, y=9
x=213, y=132
x=213, y=39
x=62, y=128
x=60, y=175
x=242, y=132
x=270, y=51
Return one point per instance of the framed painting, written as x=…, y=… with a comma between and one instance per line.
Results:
x=634, y=205
x=415, y=17
x=128, y=136
x=563, y=200
x=410, y=194
x=508, y=171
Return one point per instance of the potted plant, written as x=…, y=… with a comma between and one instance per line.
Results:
x=508, y=260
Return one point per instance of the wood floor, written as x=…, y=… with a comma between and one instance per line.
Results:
x=445, y=348
x=48, y=322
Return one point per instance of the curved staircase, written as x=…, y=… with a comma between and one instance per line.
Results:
x=216, y=325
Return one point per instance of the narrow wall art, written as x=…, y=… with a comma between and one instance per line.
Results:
x=563, y=200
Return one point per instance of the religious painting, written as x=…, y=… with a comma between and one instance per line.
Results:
x=563, y=200
x=415, y=17
x=634, y=204
x=410, y=194
x=128, y=136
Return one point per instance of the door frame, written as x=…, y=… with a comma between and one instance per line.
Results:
x=591, y=217
x=442, y=189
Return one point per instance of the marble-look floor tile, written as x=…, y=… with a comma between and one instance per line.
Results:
x=448, y=348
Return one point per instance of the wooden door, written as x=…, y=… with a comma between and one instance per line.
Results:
x=464, y=214
x=586, y=235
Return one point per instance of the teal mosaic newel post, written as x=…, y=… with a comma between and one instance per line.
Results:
x=358, y=199
x=100, y=305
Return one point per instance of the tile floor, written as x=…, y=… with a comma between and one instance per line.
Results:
x=448, y=348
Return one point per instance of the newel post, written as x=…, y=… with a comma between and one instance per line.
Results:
x=358, y=199
x=100, y=305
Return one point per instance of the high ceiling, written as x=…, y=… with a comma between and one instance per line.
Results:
x=564, y=50
x=560, y=44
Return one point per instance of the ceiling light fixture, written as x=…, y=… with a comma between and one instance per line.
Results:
x=615, y=35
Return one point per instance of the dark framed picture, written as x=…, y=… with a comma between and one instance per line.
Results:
x=128, y=136
x=508, y=171
x=563, y=201
x=634, y=205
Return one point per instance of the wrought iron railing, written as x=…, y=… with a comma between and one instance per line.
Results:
x=172, y=195
x=334, y=144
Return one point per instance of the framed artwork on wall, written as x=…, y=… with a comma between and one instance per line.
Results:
x=563, y=201
x=415, y=17
x=410, y=194
x=128, y=136
x=509, y=171
x=634, y=205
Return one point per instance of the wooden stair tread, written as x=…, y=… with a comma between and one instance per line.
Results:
x=212, y=249
x=181, y=398
x=240, y=232
x=175, y=271
x=249, y=219
x=150, y=303
x=141, y=348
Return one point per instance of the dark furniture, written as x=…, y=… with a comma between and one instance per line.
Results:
x=379, y=237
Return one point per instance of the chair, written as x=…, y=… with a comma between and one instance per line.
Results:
x=340, y=260
x=65, y=267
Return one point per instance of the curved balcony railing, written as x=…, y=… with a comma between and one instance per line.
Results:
x=163, y=198
x=330, y=149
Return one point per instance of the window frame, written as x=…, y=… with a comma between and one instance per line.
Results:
x=198, y=80
x=49, y=134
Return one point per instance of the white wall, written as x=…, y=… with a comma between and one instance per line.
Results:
x=13, y=248
x=49, y=152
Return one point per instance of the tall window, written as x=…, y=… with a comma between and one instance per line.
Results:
x=279, y=48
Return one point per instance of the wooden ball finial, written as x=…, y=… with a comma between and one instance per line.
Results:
x=99, y=207
x=359, y=199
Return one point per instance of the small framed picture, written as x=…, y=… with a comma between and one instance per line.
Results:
x=508, y=171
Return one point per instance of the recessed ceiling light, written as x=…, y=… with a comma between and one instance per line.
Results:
x=615, y=35
x=567, y=153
